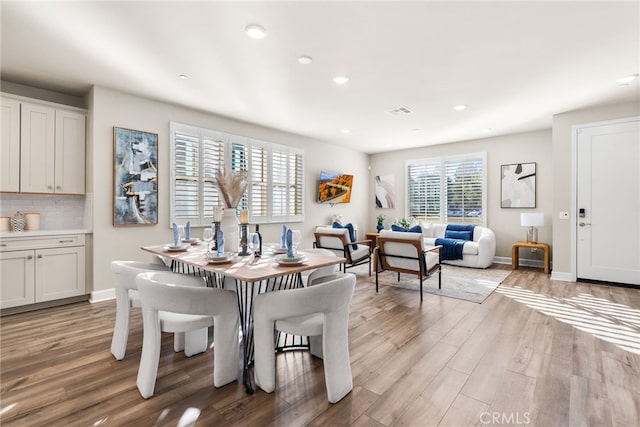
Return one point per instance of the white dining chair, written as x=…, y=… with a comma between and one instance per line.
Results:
x=316, y=311
x=317, y=275
x=124, y=280
x=189, y=308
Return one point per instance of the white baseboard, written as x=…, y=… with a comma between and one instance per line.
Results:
x=104, y=295
x=563, y=276
x=522, y=261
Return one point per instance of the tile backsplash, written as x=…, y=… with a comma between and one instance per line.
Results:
x=57, y=212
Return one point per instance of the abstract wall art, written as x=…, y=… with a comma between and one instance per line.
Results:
x=385, y=187
x=518, y=186
x=135, y=177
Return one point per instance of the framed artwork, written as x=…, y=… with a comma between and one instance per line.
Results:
x=518, y=185
x=135, y=176
x=385, y=187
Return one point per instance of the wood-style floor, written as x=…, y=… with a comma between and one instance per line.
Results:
x=528, y=355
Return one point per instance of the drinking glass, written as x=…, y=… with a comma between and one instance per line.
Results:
x=296, y=238
x=207, y=236
x=181, y=232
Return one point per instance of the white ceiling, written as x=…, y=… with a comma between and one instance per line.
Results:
x=515, y=64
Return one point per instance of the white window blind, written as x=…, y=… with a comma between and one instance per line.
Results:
x=275, y=174
x=450, y=189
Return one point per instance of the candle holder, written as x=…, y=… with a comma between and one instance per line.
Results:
x=244, y=240
x=216, y=228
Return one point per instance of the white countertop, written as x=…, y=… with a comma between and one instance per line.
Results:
x=36, y=233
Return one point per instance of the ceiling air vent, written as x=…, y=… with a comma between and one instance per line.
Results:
x=400, y=111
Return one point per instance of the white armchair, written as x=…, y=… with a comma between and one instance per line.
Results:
x=404, y=252
x=338, y=240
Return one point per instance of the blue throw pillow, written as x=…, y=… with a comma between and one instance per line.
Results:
x=414, y=229
x=460, y=235
x=352, y=232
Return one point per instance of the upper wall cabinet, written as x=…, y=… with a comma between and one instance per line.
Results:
x=51, y=144
x=10, y=154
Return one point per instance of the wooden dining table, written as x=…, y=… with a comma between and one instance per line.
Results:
x=250, y=275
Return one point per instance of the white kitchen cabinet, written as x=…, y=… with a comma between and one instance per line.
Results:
x=10, y=154
x=39, y=269
x=51, y=144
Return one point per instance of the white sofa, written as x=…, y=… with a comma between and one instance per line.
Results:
x=478, y=253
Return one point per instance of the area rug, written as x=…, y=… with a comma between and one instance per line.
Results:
x=469, y=284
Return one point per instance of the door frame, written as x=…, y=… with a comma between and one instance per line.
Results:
x=573, y=216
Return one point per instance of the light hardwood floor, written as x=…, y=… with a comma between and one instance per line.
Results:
x=528, y=355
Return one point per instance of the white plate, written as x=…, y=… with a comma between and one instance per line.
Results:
x=180, y=248
x=278, y=250
x=283, y=260
x=215, y=259
x=191, y=241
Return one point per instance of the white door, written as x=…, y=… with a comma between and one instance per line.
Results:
x=608, y=202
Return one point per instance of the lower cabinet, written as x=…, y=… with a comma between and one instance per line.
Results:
x=41, y=273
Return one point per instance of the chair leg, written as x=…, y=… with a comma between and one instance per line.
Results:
x=420, y=287
x=376, y=280
x=178, y=341
x=440, y=277
x=150, y=358
x=315, y=346
x=195, y=342
x=337, y=367
x=265, y=358
x=121, y=325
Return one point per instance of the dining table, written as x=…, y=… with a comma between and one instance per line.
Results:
x=248, y=276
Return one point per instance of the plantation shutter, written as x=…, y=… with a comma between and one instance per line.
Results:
x=239, y=162
x=186, y=167
x=464, y=190
x=258, y=183
x=274, y=172
x=424, y=190
x=212, y=161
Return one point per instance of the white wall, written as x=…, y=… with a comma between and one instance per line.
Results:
x=109, y=108
x=563, y=267
x=501, y=150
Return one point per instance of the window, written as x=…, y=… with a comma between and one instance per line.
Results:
x=449, y=189
x=275, y=174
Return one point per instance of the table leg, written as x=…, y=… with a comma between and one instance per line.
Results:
x=514, y=257
x=547, y=261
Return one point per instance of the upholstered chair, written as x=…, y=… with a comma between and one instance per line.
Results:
x=404, y=252
x=318, y=274
x=124, y=280
x=339, y=241
x=168, y=305
x=321, y=310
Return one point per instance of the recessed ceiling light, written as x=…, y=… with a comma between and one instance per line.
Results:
x=341, y=80
x=345, y=131
x=387, y=145
x=305, y=60
x=416, y=130
x=485, y=130
x=255, y=31
x=184, y=77
x=624, y=81
x=460, y=107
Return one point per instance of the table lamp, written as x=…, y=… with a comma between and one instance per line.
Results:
x=532, y=220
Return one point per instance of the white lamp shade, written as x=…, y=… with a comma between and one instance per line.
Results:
x=532, y=219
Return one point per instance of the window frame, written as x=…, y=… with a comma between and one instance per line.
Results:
x=443, y=191
x=294, y=190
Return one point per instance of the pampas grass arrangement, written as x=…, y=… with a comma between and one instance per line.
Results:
x=232, y=185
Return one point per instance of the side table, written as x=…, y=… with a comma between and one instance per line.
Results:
x=515, y=254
